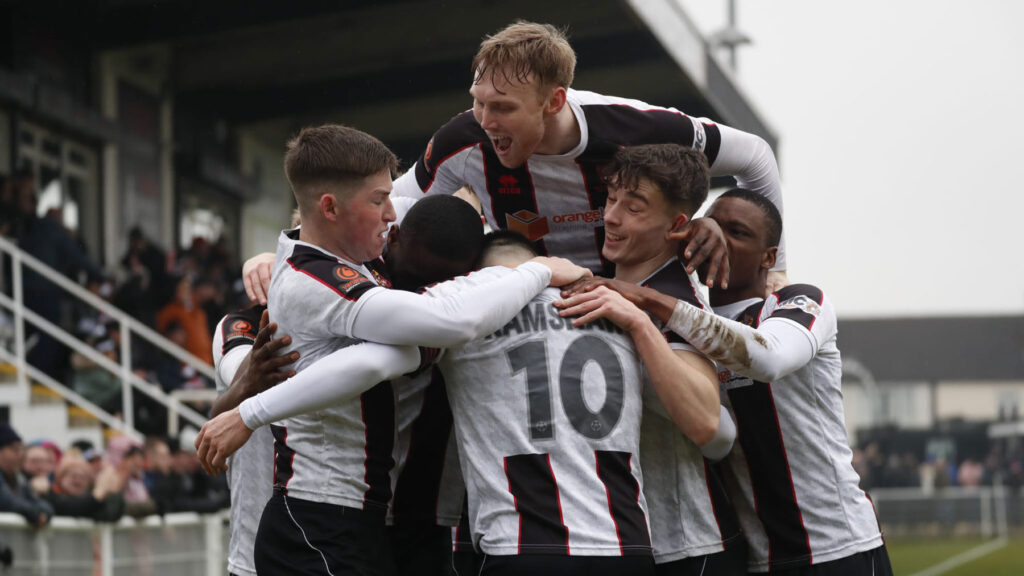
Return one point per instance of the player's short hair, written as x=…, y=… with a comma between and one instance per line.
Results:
x=446, y=226
x=772, y=216
x=335, y=156
x=681, y=174
x=502, y=244
x=526, y=48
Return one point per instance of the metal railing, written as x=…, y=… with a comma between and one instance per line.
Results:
x=122, y=368
x=183, y=543
x=985, y=511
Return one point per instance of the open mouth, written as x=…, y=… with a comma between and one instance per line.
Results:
x=502, y=144
x=612, y=237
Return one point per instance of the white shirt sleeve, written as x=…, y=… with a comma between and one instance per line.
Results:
x=774, y=349
x=456, y=316
x=229, y=363
x=750, y=159
x=318, y=387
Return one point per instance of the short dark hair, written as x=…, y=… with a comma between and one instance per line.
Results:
x=446, y=226
x=682, y=174
x=333, y=155
x=502, y=241
x=772, y=216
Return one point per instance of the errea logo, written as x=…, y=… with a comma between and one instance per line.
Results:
x=508, y=184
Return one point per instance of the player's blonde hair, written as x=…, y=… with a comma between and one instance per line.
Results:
x=523, y=49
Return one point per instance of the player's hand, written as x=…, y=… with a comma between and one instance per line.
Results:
x=602, y=302
x=632, y=292
x=264, y=367
x=562, y=271
x=777, y=280
x=703, y=241
x=256, y=276
x=220, y=438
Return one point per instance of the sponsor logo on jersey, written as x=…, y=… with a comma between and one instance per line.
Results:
x=590, y=216
x=527, y=223
x=344, y=273
x=801, y=303
x=508, y=184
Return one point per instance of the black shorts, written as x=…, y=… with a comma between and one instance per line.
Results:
x=874, y=562
x=729, y=562
x=539, y=564
x=420, y=549
x=300, y=537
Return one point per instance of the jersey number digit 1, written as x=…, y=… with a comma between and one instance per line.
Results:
x=532, y=357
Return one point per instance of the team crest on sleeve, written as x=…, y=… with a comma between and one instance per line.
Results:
x=802, y=303
x=427, y=153
x=242, y=328
x=381, y=280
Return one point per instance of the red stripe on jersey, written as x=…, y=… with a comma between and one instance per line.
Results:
x=785, y=457
x=437, y=167
x=558, y=499
x=515, y=502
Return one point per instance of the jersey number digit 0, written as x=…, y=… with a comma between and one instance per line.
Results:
x=532, y=357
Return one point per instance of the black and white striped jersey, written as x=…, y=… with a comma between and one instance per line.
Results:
x=340, y=455
x=558, y=200
x=547, y=418
x=690, y=512
x=790, y=473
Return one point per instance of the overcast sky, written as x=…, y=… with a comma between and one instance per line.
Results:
x=901, y=127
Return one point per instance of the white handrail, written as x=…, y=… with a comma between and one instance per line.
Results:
x=120, y=369
x=100, y=414
x=108, y=365
x=107, y=308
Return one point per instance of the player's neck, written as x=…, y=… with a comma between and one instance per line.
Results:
x=636, y=272
x=719, y=297
x=312, y=234
x=561, y=134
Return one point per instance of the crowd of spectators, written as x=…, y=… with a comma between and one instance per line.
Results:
x=1003, y=463
x=182, y=295
x=41, y=480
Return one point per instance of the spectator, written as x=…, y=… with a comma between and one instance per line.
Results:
x=51, y=243
x=41, y=459
x=15, y=493
x=147, y=287
x=126, y=455
x=78, y=491
x=184, y=310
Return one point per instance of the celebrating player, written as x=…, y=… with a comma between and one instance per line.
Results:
x=531, y=147
x=652, y=191
x=797, y=492
x=332, y=481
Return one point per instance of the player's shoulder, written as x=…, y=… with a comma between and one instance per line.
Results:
x=239, y=328
x=801, y=303
x=458, y=134
x=672, y=280
x=341, y=278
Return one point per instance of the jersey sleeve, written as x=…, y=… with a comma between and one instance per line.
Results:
x=807, y=307
x=451, y=316
x=778, y=346
x=232, y=339
x=318, y=386
x=440, y=168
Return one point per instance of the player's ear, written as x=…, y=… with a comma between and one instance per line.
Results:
x=554, y=101
x=768, y=258
x=329, y=206
x=393, y=233
x=679, y=222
